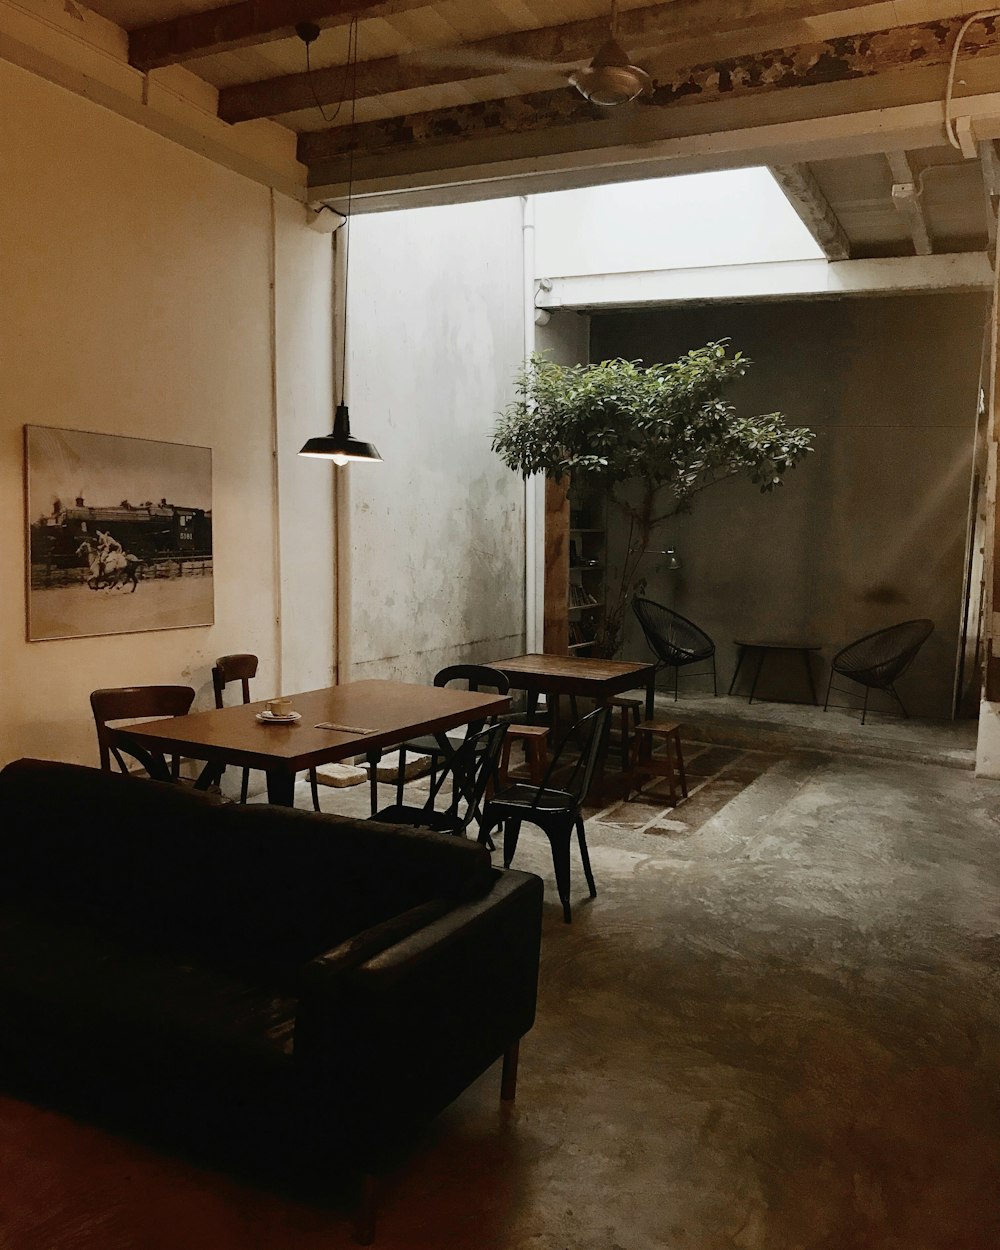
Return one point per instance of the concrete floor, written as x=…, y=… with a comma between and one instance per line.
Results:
x=774, y=1029
x=789, y=726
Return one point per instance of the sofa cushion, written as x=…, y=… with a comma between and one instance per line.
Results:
x=117, y=1006
x=302, y=883
x=177, y=871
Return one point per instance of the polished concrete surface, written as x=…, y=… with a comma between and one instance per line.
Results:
x=774, y=1029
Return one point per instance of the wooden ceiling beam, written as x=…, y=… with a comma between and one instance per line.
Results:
x=813, y=208
x=785, y=70
x=570, y=44
x=244, y=24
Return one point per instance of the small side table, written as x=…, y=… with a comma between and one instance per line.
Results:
x=764, y=649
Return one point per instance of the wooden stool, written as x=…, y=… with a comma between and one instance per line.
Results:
x=644, y=763
x=533, y=737
x=628, y=707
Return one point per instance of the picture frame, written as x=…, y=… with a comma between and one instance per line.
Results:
x=118, y=534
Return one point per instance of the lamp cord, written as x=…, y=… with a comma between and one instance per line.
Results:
x=315, y=93
x=352, y=60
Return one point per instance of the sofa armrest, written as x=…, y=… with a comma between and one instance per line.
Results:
x=389, y=1043
x=321, y=975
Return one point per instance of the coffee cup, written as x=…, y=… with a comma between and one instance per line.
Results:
x=279, y=707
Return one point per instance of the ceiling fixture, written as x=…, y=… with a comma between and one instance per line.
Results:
x=340, y=445
x=609, y=80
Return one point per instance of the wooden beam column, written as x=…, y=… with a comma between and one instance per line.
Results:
x=988, y=742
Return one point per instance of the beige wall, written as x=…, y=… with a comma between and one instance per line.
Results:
x=136, y=299
x=871, y=529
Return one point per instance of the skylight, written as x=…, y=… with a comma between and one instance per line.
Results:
x=732, y=217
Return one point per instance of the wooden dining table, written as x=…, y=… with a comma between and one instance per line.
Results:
x=355, y=718
x=601, y=680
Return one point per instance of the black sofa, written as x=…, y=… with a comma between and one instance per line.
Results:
x=253, y=980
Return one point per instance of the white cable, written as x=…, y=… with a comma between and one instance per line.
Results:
x=949, y=124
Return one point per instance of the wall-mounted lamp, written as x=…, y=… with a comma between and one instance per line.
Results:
x=673, y=559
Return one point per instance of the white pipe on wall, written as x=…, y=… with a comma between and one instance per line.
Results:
x=341, y=481
x=272, y=262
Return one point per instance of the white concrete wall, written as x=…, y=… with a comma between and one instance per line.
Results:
x=734, y=217
x=436, y=336
x=136, y=300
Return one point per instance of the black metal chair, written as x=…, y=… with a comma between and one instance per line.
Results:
x=555, y=810
x=241, y=668
x=878, y=660
x=471, y=767
x=673, y=639
x=476, y=677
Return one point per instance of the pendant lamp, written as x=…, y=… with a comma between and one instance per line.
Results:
x=340, y=445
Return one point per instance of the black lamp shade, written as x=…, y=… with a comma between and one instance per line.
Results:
x=340, y=446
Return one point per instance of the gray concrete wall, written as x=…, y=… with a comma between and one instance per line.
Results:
x=871, y=529
x=436, y=326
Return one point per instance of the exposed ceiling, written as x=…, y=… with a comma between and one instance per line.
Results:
x=850, y=92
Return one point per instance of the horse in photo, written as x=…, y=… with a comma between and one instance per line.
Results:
x=110, y=565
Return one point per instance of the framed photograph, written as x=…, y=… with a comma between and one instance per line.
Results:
x=119, y=534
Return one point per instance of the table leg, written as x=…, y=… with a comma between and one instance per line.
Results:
x=373, y=758
x=739, y=665
x=760, y=665
x=650, y=691
x=809, y=674
x=281, y=788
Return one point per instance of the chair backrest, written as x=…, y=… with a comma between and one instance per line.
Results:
x=233, y=668
x=478, y=677
x=471, y=767
x=672, y=637
x=134, y=703
x=592, y=731
x=878, y=659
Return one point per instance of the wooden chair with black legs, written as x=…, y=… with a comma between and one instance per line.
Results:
x=556, y=809
x=471, y=767
x=241, y=668
x=124, y=703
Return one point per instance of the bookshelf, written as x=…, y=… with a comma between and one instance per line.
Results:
x=575, y=551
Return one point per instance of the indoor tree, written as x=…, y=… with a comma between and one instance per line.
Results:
x=650, y=437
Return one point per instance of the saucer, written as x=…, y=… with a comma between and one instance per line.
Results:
x=266, y=718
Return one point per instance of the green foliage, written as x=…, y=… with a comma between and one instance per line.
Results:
x=666, y=425
x=665, y=432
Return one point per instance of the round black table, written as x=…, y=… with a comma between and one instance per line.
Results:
x=764, y=649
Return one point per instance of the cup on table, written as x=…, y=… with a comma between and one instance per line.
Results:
x=279, y=707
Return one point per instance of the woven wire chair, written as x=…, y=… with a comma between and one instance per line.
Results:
x=673, y=639
x=877, y=660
